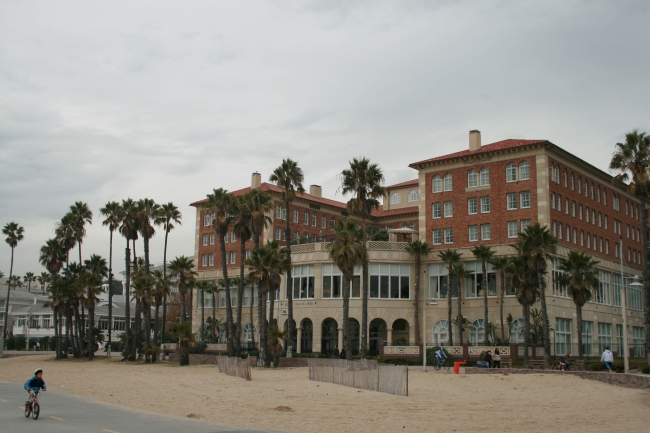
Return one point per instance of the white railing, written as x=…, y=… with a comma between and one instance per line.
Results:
x=477, y=350
x=36, y=332
x=401, y=350
x=387, y=246
x=217, y=347
x=303, y=248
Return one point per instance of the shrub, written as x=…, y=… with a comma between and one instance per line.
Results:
x=21, y=342
x=197, y=347
x=44, y=342
x=52, y=344
x=396, y=361
x=116, y=346
x=309, y=355
x=594, y=366
x=253, y=353
x=11, y=342
x=646, y=370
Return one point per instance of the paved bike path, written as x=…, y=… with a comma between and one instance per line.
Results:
x=63, y=412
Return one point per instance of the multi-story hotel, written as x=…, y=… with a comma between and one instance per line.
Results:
x=481, y=195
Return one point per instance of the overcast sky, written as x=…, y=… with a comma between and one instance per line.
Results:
x=107, y=100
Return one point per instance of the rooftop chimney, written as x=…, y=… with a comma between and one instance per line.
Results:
x=256, y=180
x=474, y=140
x=316, y=190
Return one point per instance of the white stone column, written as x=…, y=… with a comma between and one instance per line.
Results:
x=298, y=340
x=340, y=339
x=389, y=336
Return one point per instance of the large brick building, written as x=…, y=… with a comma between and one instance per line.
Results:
x=480, y=195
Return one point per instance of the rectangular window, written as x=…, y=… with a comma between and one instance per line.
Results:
x=233, y=257
x=472, y=206
x=212, y=238
x=602, y=294
x=233, y=237
x=485, y=232
x=638, y=338
x=524, y=224
x=593, y=217
x=485, y=204
x=313, y=220
x=563, y=335
x=552, y=200
x=582, y=238
x=305, y=219
x=226, y=237
x=588, y=338
x=606, y=246
x=448, y=209
x=512, y=229
x=605, y=222
x=616, y=289
x=389, y=281
x=558, y=289
x=553, y=229
x=473, y=233
x=211, y=260
x=207, y=220
x=449, y=236
x=511, y=200
x=635, y=299
x=278, y=212
x=579, y=211
x=600, y=219
x=588, y=240
x=303, y=281
x=587, y=214
x=323, y=222
x=601, y=245
x=575, y=231
x=333, y=282
x=559, y=230
x=205, y=240
x=204, y=260
x=248, y=254
x=573, y=209
x=524, y=200
x=473, y=284
x=435, y=210
x=278, y=233
x=436, y=237
x=568, y=233
x=566, y=206
x=439, y=282
x=604, y=336
x=559, y=202
x=296, y=215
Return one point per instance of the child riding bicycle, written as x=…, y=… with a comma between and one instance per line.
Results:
x=440, y=357
x=34, y=385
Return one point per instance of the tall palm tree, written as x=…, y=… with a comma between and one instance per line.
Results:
x=82, y=215
x=524, y=279
x=182, y=268
x=460, y=273
x=14, y=233
x=220, y=203
x=484, y=254
x=202, y=287
x=212, y=289
x=450, y=257
x=143, y=289
x=93, y=279
x=347, y=251
x=242, y=228
x=67, y=231
x=631, y=160
x=43, y=279
x=580, y=277
x=500, y=265
x=129, y=230
x=168, y=216
x=290, y=177
x=418, y=249
x=539, y=244
x=74, y=293
x=266, y=266
x=29, y=278
x=364, y=181
x=147, y=212
x=260, y=204
x=52, y=256
x=161, y=292
x=113, y=214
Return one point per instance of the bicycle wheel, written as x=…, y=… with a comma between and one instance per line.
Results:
x=37, y=410
x=436, y=366
x=28, y=411
x=446, y=366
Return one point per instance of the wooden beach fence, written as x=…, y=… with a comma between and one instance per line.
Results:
x=236, y=367
x=392, y=379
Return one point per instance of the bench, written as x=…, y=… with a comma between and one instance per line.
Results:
x=577, y=365
x=535, y=364
x=506, y=363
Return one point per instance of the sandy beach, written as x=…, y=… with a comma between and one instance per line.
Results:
x=285, y=399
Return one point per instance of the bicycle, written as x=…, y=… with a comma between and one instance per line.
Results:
x=445, y=364
x=33, y=408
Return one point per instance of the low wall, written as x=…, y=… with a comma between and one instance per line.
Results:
x=636, y=381
x=202, y=358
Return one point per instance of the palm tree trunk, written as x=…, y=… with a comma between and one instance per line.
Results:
x=164, y=314
x=579, y=329
x=127, y=298
x=503, y=293
x=226, y=283
x=147, y=324
x=81, y=335
x=183, y=312
x=240, y=295
x=417, y=300
x=485, y=303
x=546, y=331
x=346, y=321
x=261, y=314
x=256, y=246
x=364, y=292
x=646, y=276
x=292, y=325
x=57, y=334
x=91, y=325
x=137, y=327
x=450, y=340
x=214, y=316
x=526, y=332
x=202, y=308
x=110, y=291
x=78, y=324
x=11, y=271
x=155, y=322
x=68, y=329
x=460, y=310
x=270, y=325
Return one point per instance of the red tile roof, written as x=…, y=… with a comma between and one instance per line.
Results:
x=499, y=145
x=413, y=182
x=380, y=213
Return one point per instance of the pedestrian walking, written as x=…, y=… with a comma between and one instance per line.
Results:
x=608, y=358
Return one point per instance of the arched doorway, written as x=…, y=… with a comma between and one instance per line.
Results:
x=377, y=335
x=354, y=336
x=306, y=335
x=330, y=336
x=400, y=333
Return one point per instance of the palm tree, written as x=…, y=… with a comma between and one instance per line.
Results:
x=114, y=214
x=631, y=160
x=75, y=292
x=484, y=254
x=161, y=292
x=524, y=279
x=242, y=227
x=29, y=278
x=418, y=249
x=147, y=212
x=202, y=287
x=52, y=256
x=451, y=257
x=66, y=230
x=365, y=182
x=43, y=279
x=538, y=244
x=168, y=215
x=266, y=266
x=260, y=204
x=15, y=281
x=289, y=176
x=128, y=229
x=347, y=251
x=93, y=279
x=14, y=233
x=460, y=273
x=220, y=203
x=143, y=290
x=500, y=265
x=580, y=277
x=275, y=343
x=82, y=216
x=212, y=289
x=182, y=268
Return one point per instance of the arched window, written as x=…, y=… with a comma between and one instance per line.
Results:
x=472, y=179
x=440, y=333
x=436, y=184
x=551, y=171
x=477, y=332
x=517, y=331
x=248, y=331
x=579, y=185
x=296, y=215
x=332, y=222
x=412, y=226
x=447, y=182
x=598, y=194
x=524, y=172
x=592, y=190
x=485, y=176
x=413, y=195
x=404, y=225
x=565, y=178
x=572, y=182
x=511, y=173
x=305, y=219
x=395, y=198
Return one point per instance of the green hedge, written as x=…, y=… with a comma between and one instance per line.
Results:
x=11, y=342
x=21, y=342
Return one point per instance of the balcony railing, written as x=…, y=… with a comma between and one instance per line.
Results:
x=372, y=245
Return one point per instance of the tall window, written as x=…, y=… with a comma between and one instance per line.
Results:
x=524, y=224
x=602, y=295
x=305, y=218
x=332, y=222
x=511, y=200
x=436, y=184
x=485, y=204
x=638, y=335
x=588, y=338
x=211, y=260
x=449, y=236
x=314, y=217
x=473, y=233
x=579, y=185
x=512, y=229
x=440, y=332
x=436, y=237
x=296, y=215
x=485, y=176
x=233, y=257
x=517, y=331
x=205, y=240
x=472, y=179
x=439, y=282
x=558, y=289
x=565, y=178
x=447, y=182
x=278, y=212
x=413, y=195
x=303, y=281
x=562, y=335
x=572, y=182
x=524, y=173
x=551, y=170
x=473, y=285
x=604, y=336
x=472, y=206
x=333, y=282
x=207, y=220
x=395, y=198
x=448, y=209
x=635, y=298
x=212, y=238
x=436, y=210
x=524, y=199
x=389, y=281
x=485, y=232
x=477, y=332
x=511, y=173
x=323, y=222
